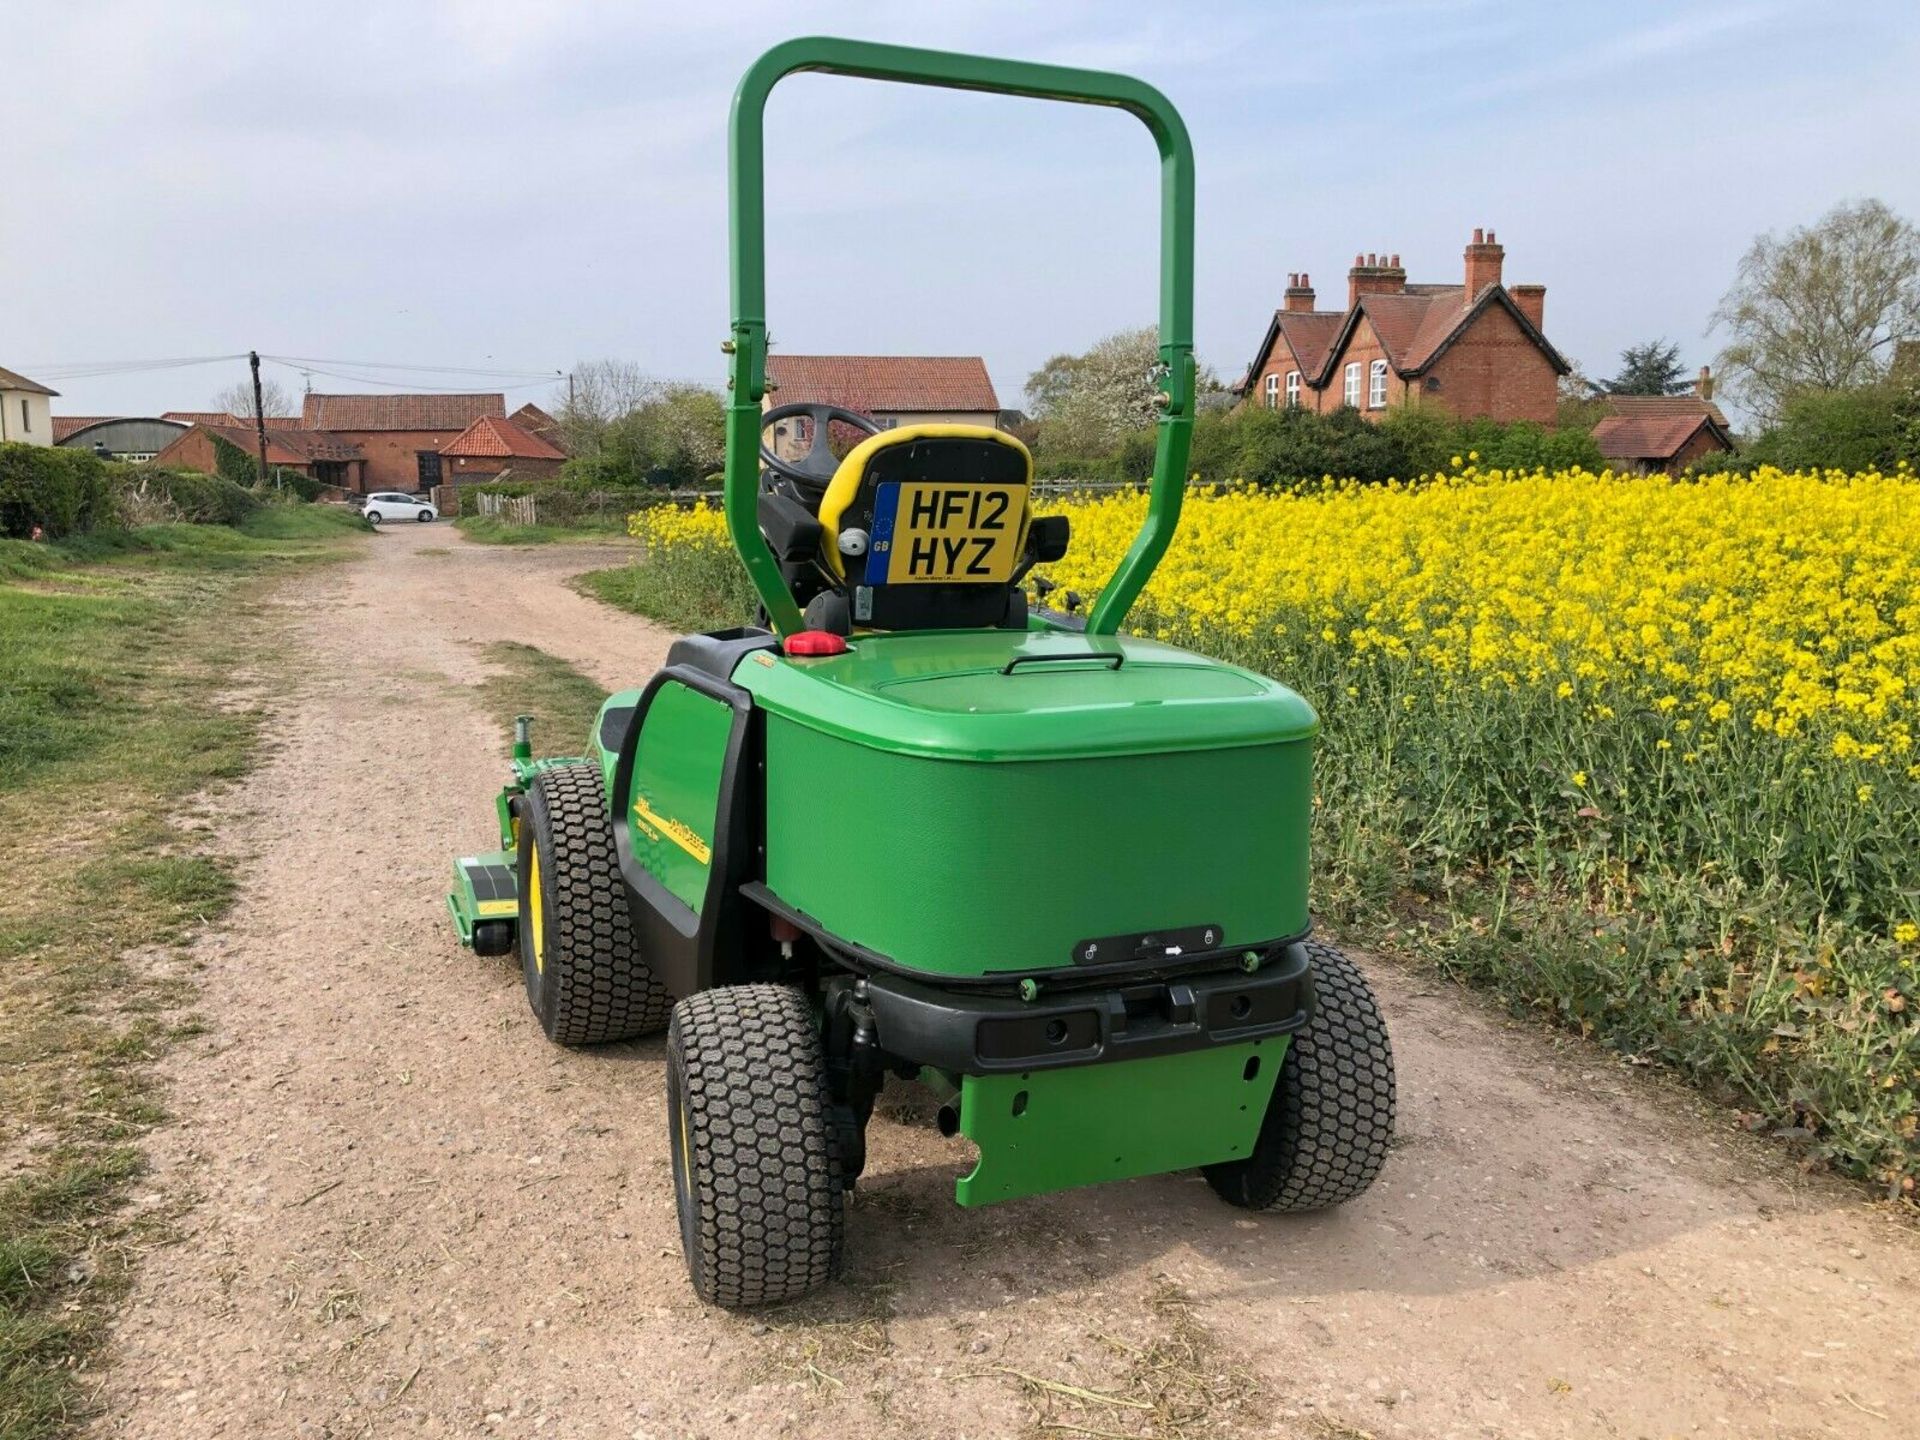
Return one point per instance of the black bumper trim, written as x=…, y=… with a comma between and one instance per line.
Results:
x=863, y=961
x=974, y=1034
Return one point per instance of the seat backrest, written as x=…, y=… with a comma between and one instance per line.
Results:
x=926, y=526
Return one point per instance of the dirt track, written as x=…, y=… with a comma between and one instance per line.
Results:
x=417, y=1217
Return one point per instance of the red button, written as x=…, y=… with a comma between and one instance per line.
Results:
x=815, y=642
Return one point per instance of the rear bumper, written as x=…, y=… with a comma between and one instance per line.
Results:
x=973, y=1034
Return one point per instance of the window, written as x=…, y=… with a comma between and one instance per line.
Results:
x=429, y=463
x=1377, y=385
x=26, y=418
x=1273, y=392
x=1293, y=390
x=1352, y=391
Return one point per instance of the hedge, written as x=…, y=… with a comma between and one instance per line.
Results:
x=60, y=491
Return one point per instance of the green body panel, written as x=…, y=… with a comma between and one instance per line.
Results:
x=915, y=794
x=943, y=694
x=1089, y=1123
x=485, y=887
x=747, y=193
x=673, y=803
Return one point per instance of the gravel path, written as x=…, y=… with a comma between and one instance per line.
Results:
x=415, y=1217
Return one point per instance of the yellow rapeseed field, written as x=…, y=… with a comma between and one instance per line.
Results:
x=1783, y=602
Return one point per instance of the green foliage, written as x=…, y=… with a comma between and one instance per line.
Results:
x=61, y=491
x=694, y=587
x=1857, y=429
x=1088, y=405
x=1289, y=447
x=1650, y=368
x=185, y=495
x=1822, y=308
x=232, y=463
x=676, y=437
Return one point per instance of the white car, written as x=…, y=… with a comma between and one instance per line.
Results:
x=384, y=505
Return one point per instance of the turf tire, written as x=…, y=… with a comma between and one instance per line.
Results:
x=591, y=984
x=756, y=1169
x=1330, y=1122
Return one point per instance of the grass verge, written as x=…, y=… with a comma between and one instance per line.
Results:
x=529, y=681
x=492, y=530
x=689, y=593
x=110, y=649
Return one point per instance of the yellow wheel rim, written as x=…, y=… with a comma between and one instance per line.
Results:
x=537, y=912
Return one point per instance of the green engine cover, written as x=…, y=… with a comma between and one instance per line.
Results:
x=959, y=817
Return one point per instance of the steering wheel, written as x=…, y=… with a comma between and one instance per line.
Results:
x=813, y=470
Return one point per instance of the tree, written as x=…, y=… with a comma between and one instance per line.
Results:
x=1651, y=368
x=1086, y=404
x=600, y=393
x=678, y=437
x=1822, y=308
x=237, y=399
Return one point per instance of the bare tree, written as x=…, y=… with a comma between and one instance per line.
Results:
x=601, y=392
x=1822, y=308
x=237, y=399
x=1085, y=403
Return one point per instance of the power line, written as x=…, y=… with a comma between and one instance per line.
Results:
x=411, y=386
x=423, y=369
x=87, y=369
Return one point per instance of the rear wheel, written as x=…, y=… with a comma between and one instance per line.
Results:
x=373, y=517
x=586, y=978
x=756, y=1173
x=1330, y=1121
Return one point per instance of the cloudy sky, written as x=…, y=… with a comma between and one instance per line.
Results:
x=504, y=185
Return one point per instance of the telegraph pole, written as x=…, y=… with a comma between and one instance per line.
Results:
x=259, y=415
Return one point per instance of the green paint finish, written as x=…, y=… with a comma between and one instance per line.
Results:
x=945, y=694
x=675, y=799
x=1055, y=1129
x=467, y=906
x=747, y=194
x=954, y=868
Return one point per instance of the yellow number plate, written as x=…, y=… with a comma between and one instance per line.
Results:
x=926, y=534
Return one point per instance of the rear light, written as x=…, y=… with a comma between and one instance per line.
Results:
x=808, y=643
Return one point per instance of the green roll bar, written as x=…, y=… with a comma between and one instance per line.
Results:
x=748, y=385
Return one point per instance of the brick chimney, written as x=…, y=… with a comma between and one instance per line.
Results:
x=1299, y=294
x=1374, y=274
x=1532, y=300
x=1484, y=255
x=1703, y=383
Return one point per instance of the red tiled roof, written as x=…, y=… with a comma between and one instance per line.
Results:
x=535, y=421
x=1663, y=407
x=1623, y=437
x=65, y=425
x=497, y=439
x=289, y=447
x=1309, y=333
x=399, y=412
x=884, y=384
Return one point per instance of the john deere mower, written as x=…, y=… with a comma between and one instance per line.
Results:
x=808, y=847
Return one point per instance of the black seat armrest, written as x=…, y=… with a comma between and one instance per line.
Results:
x=792, y=531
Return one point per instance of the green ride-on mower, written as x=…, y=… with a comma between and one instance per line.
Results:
x=805, y=848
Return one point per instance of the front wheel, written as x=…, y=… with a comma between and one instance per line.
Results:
x=586, y=978
x=756, y=1171
x=424, y=517
x=1330, y=1121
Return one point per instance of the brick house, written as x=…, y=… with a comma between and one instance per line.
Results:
x=490, y=447
x=1663, y=434
x=1475, y=348
x=399, y=436
x=890, y=389
x=325, y=457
